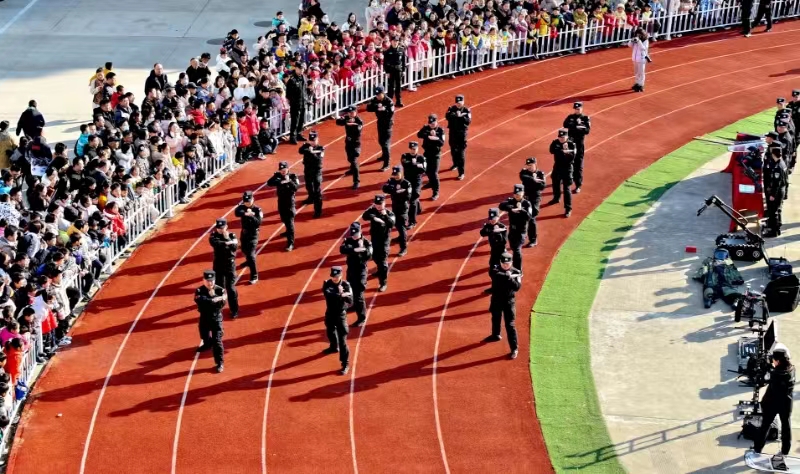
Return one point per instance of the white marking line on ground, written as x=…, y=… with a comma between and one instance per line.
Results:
x=418, y=228
x=17, y=16
x=180, y=412
x=472, y=251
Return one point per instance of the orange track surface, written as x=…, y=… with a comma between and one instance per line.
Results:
x=484, y=404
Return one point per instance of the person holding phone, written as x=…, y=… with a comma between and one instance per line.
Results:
x=641, y=56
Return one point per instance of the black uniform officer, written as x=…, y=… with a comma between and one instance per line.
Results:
x=352, y=145
x=777, y=401
x=210, y=299
x=286, y=184
x=794, y=109
x=784, y=114
x=506, y=281
x=578, y=126
x=297, y=95
x=775, y=182
x=400, y=190
x=764, y=9
x=786, y=137
x=534, y=181
x=459, y=117
x=497, y=234
x=225, y=244
x=563, y=151
x=383, y=107
x=381, y=221
x=313, y=154
x=251, y=216
x=338, y=298
x=394, y=64
x=432, y=136
x=414, y=167
x=358, y=251
x=519, y=212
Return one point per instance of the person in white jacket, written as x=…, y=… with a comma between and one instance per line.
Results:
x=244, y=89
x=641, y=56
x=222, y=59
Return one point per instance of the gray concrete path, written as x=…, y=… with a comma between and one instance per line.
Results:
x=660, y=360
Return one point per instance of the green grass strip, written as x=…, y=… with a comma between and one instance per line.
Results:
x=566, y=398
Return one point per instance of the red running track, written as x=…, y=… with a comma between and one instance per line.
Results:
x=135, y=399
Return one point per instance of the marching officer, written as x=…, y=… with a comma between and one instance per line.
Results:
x=414, y=167
x=563, y=151
x=313, y=154
x=400, y=190
x=459, y=117
x=394, y=64
x=358, y=251
x=225, y=244
x=338, y=298
x=352, y=145
x=519, y=212
x=383, y=107
x=497, y=234
x=534, y=181
x=578, y=126
x=251, y=216
x=776, y=179
x=381, y=221
x=432, y=136
x=210, y=299
x=286, y=184
x=506, y=281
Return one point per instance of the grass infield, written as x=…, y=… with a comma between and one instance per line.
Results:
x=566, y=399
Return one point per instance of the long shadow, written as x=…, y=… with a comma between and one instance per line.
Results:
x=789, y=72
x=585, y=98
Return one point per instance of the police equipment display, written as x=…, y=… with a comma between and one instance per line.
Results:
x=752, y=306
x=748, y=246
x=783, y=293
x=752, y=163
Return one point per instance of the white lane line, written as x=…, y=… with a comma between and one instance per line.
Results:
x=180, y=412
x=17, y=16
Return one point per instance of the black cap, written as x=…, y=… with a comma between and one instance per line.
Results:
x=783, y=124
x=378, y=90
x=379, y=199
x=283, y=165
x=784, y=114
x=350, y=109
x=336, y=271
x=209, y=275
x=247, y=196
x=493, y=212
x=796, y=93
x=577, y=105
x=518, y=188
x=530, y=161
x=221, y=223
x=505, y=257
x=191, y=85
x=113, y=138
x=780, y=100
x=313, y=134
x=396, y=169
x=355, y=228
x=432, y=118
x=459, y=98
x=563, y=132
x=773, y=135
x=413, y=145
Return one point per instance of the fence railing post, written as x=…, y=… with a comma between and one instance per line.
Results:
x=668, y=19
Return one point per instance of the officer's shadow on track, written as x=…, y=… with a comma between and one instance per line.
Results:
x=585, y=98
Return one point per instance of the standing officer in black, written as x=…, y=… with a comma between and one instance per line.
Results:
x=381, y=221
x=383, y=107
x=400, y=191
x=563, y=151
x=210, y=299
x=414, y=167
x=534, y=181
x=352, y=144
x=506, y=281
x=313, y=154
x=358, y=251
x=286, y=184
x=497, y=235
x=297, y=95
x=338, y=297
x=764, y=9
x=786, y=137
x=578, y=126
x=394, y=64
x=519, y=212
x=794, y=108
x=432, y=136
x=459, y=117
x=776, y=179
x=225, y=244
x=251, y=216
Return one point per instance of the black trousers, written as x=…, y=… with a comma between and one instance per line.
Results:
x=747, y=10
x=211, y=334
x=773, y=213
x=416, y=207
x=287, y=217
x=183, y=186
x=507, y=312
x=515, y=240
x=353, y=151
x=380, y=255
x=432, y=170
x=577, y=165
x=769, y=414
x=395, y=86
x=297, y=116
x=533, y=231
x=400, y=223
x=249, y=245
x=337, y=330
x=561, y=185
x=226, y=278
x=359, y=284
x=458, y=151
x=385, y=141
x=314, y=189
x=764, y=9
